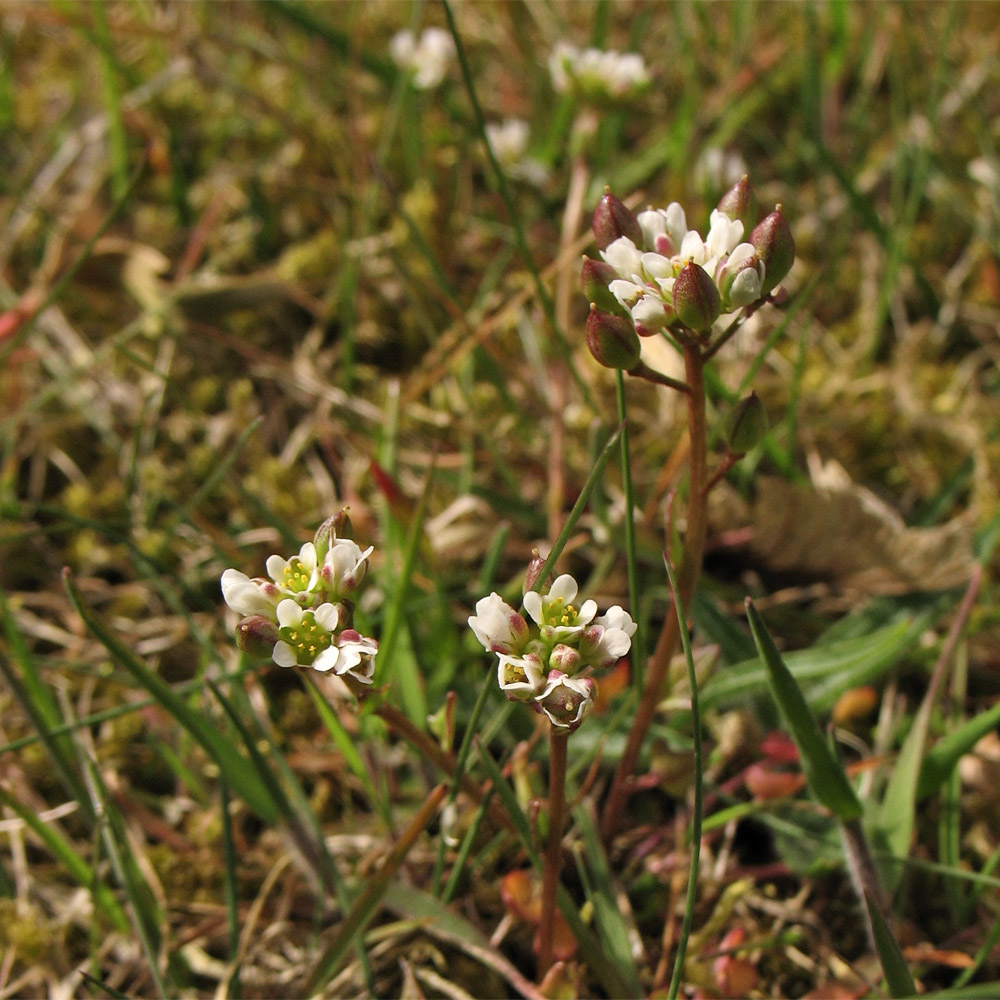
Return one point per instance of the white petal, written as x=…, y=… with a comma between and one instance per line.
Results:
x=565, y=587
x=289, y=613
x=284, y=655
x=533, y=605
x=327, y=616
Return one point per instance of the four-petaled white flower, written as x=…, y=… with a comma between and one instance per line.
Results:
x=541, y=658
x=559, y=620
x=307, y=636
x=356, y=656
x=297, y=577
x=344, y=567
x=608, y=638
x=249, y=597
x=566, y=700
x=498, y=626
x=427, y=58
x=521, y=677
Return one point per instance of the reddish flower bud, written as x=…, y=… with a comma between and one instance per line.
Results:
x=746, y=424
x=773, y=241
x=531, y=573
x=257, y=635
x=612, y=340
x=696, y=299
x=740, y=202
x=595, y=276
x=613, y=219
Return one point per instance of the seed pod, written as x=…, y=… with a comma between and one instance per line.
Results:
x=612, y=340
x=772, y=238
x=696, y=299
x=746, y=425
x=740, y=202
x=613, y=219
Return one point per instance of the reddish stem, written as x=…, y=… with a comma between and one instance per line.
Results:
x=553, y=850
x=690, y=569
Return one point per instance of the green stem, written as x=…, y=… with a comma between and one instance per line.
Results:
x=630, y=558
x=692, y=886
x=553, y=852
x=694, y=548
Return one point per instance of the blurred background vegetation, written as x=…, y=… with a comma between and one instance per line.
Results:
x=249, y=274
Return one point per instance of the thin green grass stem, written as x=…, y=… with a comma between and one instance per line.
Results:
x=460, y=764
x=630, y=557
x=692, y=886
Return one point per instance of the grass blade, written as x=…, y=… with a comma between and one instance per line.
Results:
x=237, y=769
x=897, y=973
x=827, y=779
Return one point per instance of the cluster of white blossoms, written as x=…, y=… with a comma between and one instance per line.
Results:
x=648, y=272
x=541, y=658
x=509, y=141
x=303, y=610
x=427, y=58
x=662, y=275
x=597, y=74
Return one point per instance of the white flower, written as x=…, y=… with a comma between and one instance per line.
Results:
x=723, y=234
x=608, y=638
x=520, y=677
x=597, y=74
x=297, y=577
x=344, y=567
x=558, y=618
x=508, y=140
x=624, y=256
x=498, y=626
x=427, y=59
x=306, y=636
x=626, y=292
x=249, y=597
x=355, y=656
x=566, y=700
x=741, y=277
x=676, y=222
x=655, y=265
x=650, y=312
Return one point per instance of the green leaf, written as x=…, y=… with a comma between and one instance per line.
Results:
x=827, y=779
x=897, y=973
x=240, y=775
x=827, y=671
x=940, y=760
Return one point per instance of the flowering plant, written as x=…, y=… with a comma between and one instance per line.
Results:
x=303, y=612
x=541, y=658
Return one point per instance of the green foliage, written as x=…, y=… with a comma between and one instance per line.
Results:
x=247, y=266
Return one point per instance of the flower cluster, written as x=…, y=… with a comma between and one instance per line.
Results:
x=302, y=612
x=541, y=658
x=660, y=275
x=597, y=75
x=426, y=58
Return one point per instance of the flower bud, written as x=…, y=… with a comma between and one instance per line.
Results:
x=257, y=635
x=595, y=277
x=696, y=299
x=564, y=658
x=746, y=424
x=773, y=241
x=740, y=277
x=612, y=340
x=531, y=573
x=337, y=526
x=613, y=219
x=740, y=202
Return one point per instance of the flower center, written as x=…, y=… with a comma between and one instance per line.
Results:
x=557, y=613
x=307, y=638
x=295, y=577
